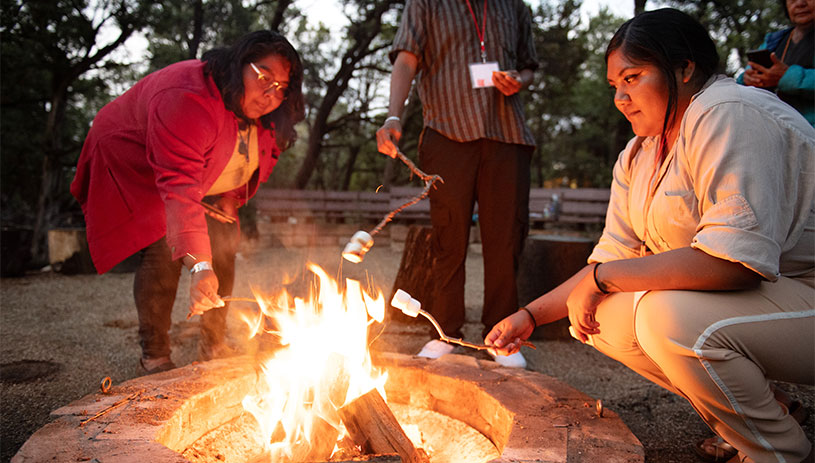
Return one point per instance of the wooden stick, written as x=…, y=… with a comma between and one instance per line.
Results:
x=106, y=410
x=218, y=212
x=372, y=426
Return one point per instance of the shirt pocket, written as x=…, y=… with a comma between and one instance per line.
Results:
x=675, y=216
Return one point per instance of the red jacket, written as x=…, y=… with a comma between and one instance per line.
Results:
x=151, y=156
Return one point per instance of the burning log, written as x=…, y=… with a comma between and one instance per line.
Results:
x=372, y=426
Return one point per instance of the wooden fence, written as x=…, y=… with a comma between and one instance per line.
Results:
x=582, y=206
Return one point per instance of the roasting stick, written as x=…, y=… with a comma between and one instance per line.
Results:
x=218, y=212
x=116, y=404
x=362, y=241
x=411, y=307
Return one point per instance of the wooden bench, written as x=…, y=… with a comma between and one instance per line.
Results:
x=555, y=206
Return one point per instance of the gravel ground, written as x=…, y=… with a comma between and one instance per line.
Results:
x=62, y=334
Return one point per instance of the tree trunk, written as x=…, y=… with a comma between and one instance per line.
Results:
x=362, y=34
x=197, y=29
x=415, y=271
x=639, y=6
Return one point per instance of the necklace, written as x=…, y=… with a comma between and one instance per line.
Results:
x=243, y=147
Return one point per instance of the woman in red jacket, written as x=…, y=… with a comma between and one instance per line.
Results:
x=186, y=141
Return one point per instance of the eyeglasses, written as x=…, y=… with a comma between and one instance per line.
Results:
x=269, y=86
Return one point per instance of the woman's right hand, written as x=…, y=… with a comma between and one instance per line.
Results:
x=387, y=137
x=204, y=292
x=582, y=303
x=506, y=336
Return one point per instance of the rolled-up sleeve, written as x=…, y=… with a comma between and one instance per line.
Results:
x=412, y=33
x=527, y=55
x=740, y=177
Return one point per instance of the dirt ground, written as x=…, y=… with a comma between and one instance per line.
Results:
x=60, y=335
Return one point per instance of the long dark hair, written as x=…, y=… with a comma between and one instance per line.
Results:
x=668, y=39
x=226, y=67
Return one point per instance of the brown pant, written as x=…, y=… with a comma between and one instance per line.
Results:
x=719, y=350
x=156, y=282
x=496, y=175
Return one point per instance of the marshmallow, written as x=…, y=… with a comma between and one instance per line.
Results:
x=355, y=250
x=405, y=303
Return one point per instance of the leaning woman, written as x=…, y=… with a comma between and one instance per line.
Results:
x=703, y=279
x=166, y=166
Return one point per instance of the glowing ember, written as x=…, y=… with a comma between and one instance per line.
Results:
x=323, y=364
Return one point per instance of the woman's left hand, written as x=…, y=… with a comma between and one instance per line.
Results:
x=582, y=304
x=759, y=76
x=507, y=82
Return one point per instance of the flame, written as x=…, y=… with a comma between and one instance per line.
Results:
x=324, y=364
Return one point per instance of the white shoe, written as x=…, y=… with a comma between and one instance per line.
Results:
x=515, y=360
x=435, y=349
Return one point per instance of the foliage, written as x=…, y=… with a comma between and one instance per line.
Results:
x=62, y=60
x=51, y=57
x=736, y=25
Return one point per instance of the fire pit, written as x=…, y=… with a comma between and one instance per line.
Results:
x=177, y=416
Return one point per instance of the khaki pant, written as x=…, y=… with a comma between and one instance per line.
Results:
x=719, y=350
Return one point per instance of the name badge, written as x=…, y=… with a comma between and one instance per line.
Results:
x=481, y=74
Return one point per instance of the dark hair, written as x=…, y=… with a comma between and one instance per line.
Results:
x=226, y=67
x=668, y=39
x=784, y=7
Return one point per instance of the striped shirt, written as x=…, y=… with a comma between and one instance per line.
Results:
x=443, y=36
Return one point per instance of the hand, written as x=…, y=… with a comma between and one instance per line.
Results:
x=507, y=82
x=759, y=76
x=582, y=304
x=204, y=292
x=228, y=208
x=506, y=336
x=387, y=137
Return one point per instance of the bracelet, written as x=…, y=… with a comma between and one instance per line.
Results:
x=596, y=281
x=392, y=118
x=534, y=323
x=200, y=267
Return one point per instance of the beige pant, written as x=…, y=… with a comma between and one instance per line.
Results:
x=719, y=350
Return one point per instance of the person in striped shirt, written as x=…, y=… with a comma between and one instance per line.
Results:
x=470, y=59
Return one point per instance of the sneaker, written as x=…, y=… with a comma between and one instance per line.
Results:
x=156, y=364
x=435, y=349
x=515, y=360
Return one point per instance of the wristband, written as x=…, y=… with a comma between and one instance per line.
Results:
x=392, y=118
x=596, y=281
x=534, y=322
x=200, y=267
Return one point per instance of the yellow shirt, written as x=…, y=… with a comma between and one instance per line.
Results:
x=240, y=167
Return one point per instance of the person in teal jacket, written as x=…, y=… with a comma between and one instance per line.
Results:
x=791, y=76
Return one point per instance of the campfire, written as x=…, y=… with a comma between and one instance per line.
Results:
x=322, y=396
x=320, y=393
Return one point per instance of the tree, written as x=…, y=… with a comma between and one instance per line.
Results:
x=736, y=25
x=48, y=50
x=184, y=30
x=363, y=40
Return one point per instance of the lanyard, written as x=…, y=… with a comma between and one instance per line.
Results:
x=480, y=31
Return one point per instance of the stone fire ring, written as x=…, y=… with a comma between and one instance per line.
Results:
x=530, y=417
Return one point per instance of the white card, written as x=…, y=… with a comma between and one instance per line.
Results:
x=481, y=74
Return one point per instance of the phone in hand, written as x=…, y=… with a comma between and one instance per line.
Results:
x=761, y=57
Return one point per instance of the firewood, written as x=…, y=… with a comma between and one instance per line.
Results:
x=374, y=459
x=372, y=426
